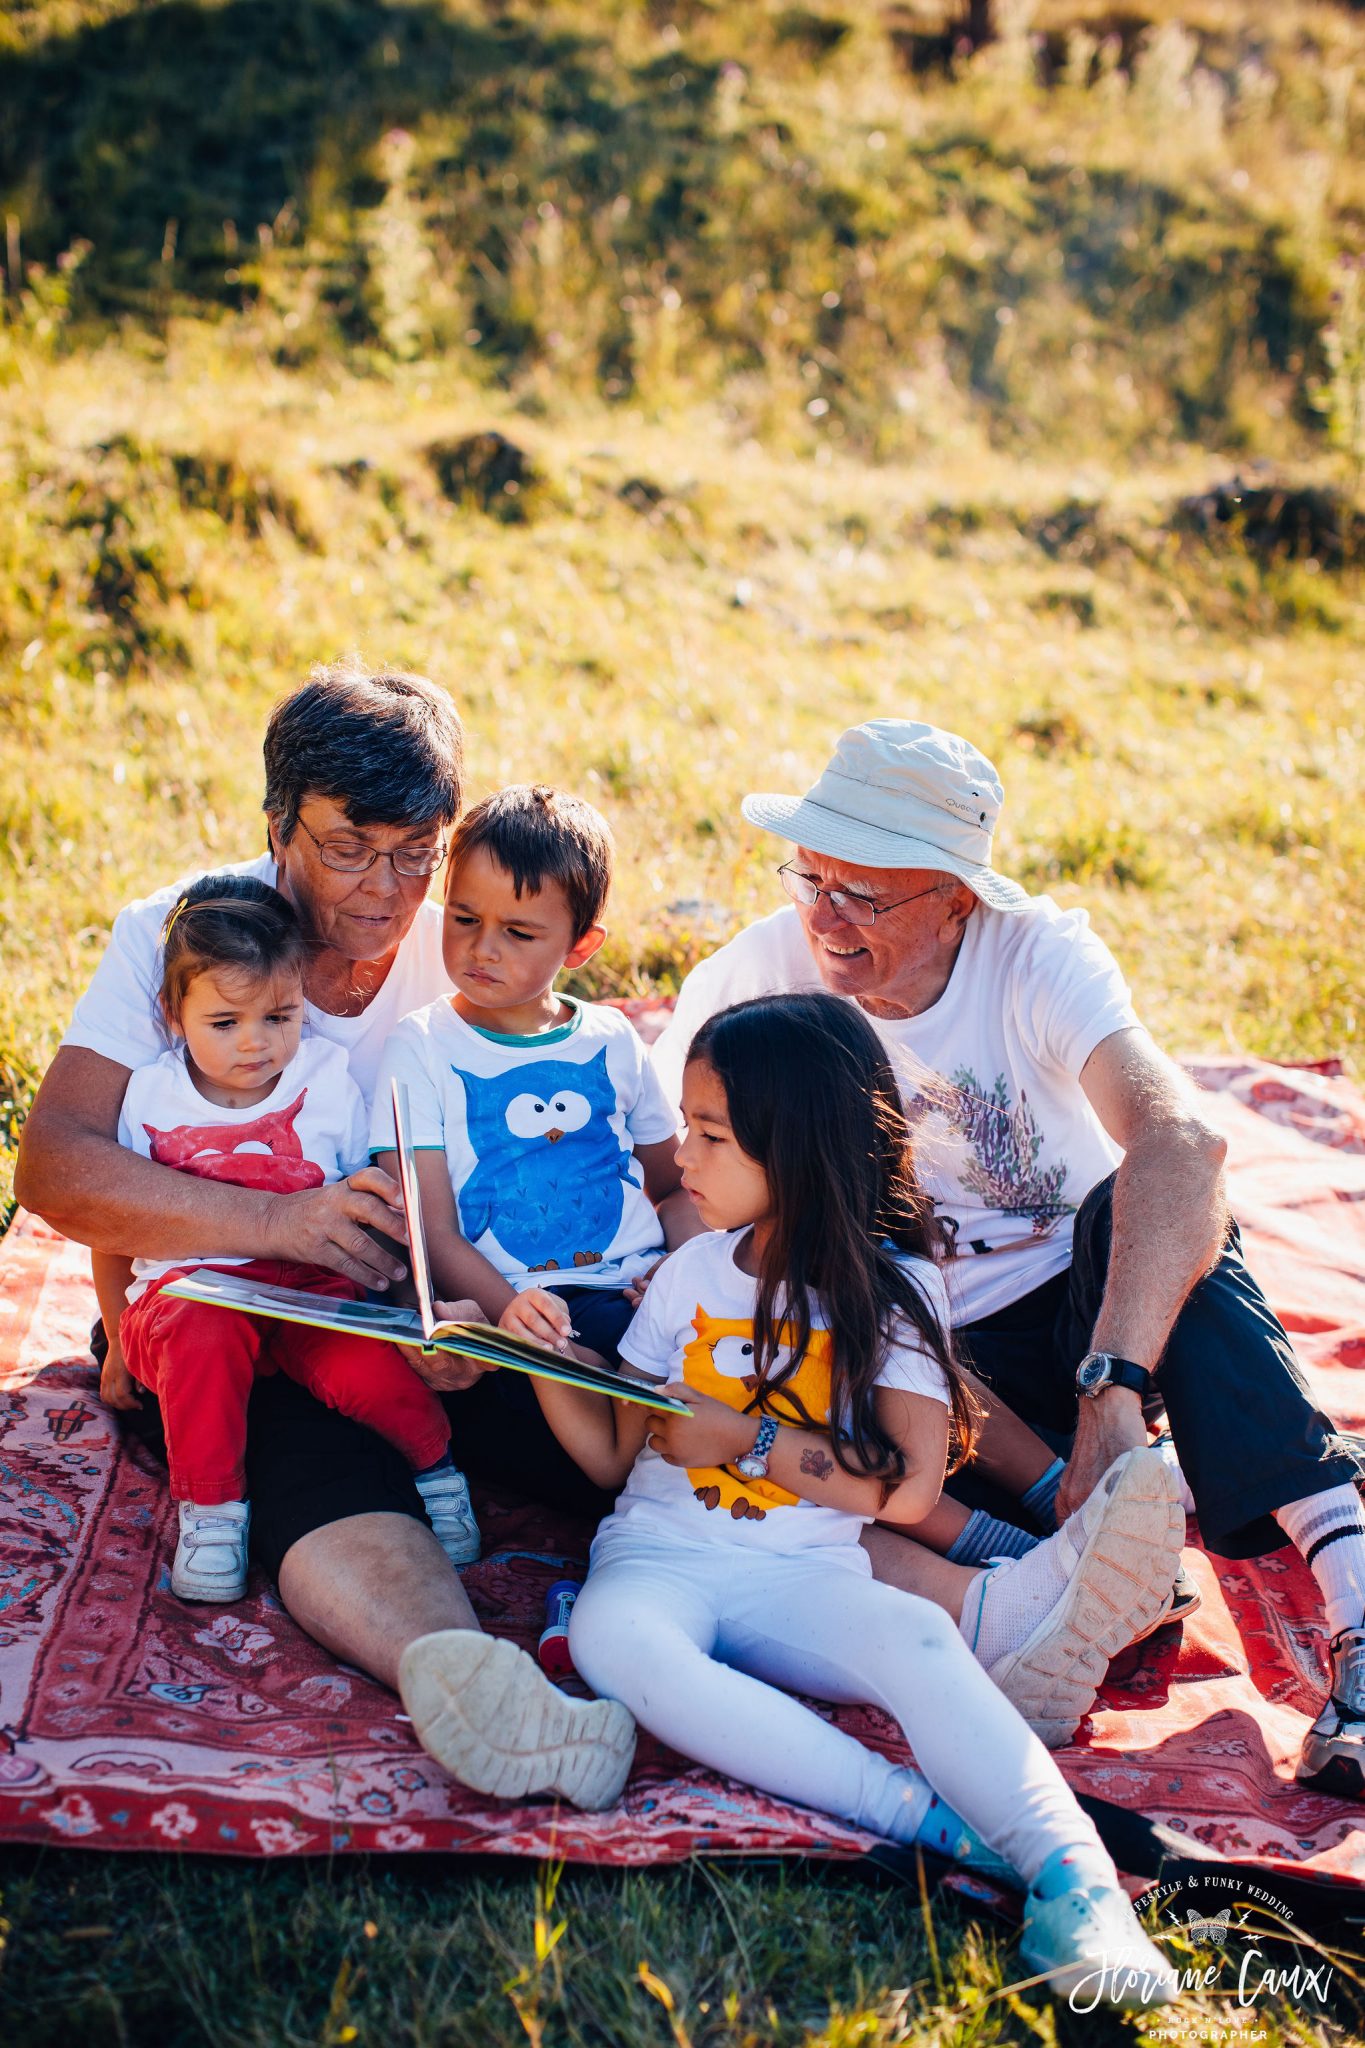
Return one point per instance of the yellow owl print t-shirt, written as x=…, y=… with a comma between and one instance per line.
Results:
x=696, y=1324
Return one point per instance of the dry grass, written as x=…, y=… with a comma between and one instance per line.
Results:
x=841, y=388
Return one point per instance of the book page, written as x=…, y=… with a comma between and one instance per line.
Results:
x=418, y=1262
x=387, y=1322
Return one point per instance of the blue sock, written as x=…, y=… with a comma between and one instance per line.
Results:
x=443, y=1464
x=943, y=1830
x=1041, y=1499
x=984, y=1537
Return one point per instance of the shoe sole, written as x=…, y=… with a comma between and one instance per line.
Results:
x=1340, y=1775
x=1185, y=1600
x=211, y=1596
x=1119, y=1587
x=490, y=1717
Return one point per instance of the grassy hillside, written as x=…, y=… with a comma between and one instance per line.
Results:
x=1112, y=227
x=831, y=370
x=671, y=618
x=676, y=383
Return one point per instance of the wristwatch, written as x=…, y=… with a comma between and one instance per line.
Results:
x=1100, y=1370
x=754, y=1463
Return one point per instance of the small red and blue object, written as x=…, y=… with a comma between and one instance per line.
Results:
x=553, y=1647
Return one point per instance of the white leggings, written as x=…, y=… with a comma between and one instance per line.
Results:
x=695, y=1638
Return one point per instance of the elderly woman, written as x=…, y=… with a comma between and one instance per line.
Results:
x=362, y=780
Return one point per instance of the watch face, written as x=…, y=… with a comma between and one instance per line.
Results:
x=751, y=1467
x=1094, y=1373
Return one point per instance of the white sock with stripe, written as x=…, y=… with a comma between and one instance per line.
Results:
x=1328, y=1531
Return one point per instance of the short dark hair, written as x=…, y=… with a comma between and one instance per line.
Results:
x=539, y=835
x=387, y=746
x=231, y=921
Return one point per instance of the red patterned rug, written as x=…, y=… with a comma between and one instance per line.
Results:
x=128, y=1720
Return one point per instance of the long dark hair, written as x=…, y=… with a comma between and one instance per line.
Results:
x=813, y=1100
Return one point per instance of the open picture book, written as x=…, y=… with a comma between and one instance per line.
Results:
x=392, y=1324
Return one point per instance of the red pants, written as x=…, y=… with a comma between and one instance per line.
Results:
x=200, y=1363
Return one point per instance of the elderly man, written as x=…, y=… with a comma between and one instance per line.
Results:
x=362, y=781
x=1093, y=1263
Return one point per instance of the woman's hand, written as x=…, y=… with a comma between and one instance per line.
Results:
x=330, y=1227
x=446, y=1372
x=540, y=1317
x=118, y=1388
x=712, y=1435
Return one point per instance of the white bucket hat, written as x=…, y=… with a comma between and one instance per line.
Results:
x=899, y=794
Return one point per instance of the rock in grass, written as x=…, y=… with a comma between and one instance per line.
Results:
x=487, y=471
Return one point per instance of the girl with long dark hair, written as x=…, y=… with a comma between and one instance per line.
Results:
x=807, y=1331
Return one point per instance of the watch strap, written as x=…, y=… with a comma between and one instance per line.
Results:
x=754, y=1463
x=1123, y=1372
x=766, y=1438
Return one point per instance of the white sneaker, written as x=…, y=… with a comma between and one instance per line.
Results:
x=210, y=1558
x=445, y=1496
x=1089, y=1944
x=1119, y=1552
x=489, y=1715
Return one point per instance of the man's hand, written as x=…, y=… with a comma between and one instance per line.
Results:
x=118, y=1388
x=328, y=1226
x=445, y=1372
x=540, y=1317
x=712, y=1435
x=1106, y=1427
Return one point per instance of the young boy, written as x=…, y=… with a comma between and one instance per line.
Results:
x=544, y=1141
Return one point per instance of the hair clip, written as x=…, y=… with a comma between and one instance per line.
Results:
x=169, y=926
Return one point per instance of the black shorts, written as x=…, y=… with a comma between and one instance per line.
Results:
x=308, y=1465
x=601, y=1317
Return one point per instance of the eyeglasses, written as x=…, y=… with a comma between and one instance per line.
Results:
x=852, y=909
x=354, y=857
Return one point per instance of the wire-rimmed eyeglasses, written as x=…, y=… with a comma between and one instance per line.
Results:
x=354, y=857
x=803, y=888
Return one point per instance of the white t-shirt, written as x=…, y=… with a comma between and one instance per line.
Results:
x=539, y=1135
x=696, y=1324
x=311, y=1129
x=1006, y=1141
x=120, y=1017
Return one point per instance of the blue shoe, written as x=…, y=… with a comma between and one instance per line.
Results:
x=1082, y=1935
x=445, y=1496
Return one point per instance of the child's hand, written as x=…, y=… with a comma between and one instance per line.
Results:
x=118, y=1388
x=445, y=1372
x=634, y=1290
x=712, y=1435
x=541, y=1317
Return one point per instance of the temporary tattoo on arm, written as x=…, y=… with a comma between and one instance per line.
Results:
x=816, y=1464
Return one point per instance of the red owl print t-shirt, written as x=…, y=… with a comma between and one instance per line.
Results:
x=312, y=1128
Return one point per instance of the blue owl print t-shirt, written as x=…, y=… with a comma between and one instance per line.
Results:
x=539, y=1135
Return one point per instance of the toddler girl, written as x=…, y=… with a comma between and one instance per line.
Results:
x=242, y=1097
x=806, y=1330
